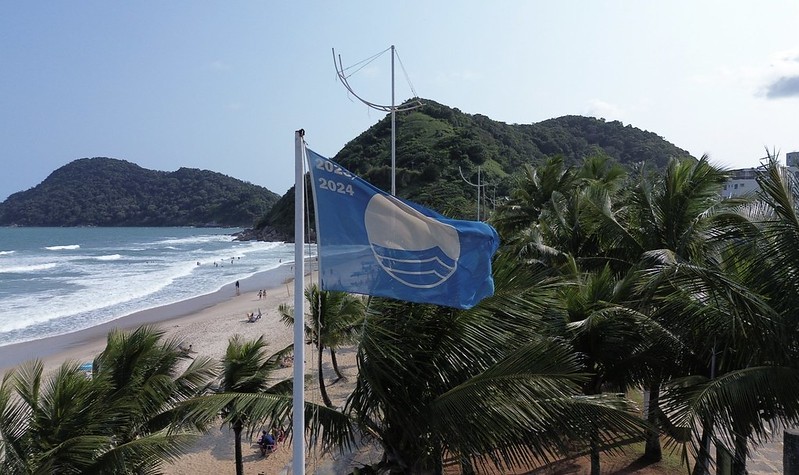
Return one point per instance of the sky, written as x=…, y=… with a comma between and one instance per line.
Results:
x=222, y=86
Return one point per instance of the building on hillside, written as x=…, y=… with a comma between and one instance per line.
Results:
x=743, y=181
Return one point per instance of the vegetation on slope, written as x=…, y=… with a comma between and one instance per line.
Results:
x=436, y=143
x=111, y=192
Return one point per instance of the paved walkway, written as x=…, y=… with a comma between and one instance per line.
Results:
x=767, y=459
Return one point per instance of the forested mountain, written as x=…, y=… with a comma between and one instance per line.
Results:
x=436, y=146
x=435, y=143
x=110, y=192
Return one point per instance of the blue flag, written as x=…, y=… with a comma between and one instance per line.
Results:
x=373, y=243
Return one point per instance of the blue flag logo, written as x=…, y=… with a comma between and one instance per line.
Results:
x=376, y=244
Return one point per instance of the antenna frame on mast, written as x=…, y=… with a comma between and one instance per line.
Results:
x=479, y=186
x=380, y=107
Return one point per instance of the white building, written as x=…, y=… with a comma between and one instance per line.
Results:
x=743, y=180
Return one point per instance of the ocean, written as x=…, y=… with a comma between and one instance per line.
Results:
x=60, y=280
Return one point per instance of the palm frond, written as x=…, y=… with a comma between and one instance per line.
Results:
x=745, y=401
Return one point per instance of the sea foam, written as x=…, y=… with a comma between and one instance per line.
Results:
x=63, y=248
x=23, y=269
x=110, y=257
x=46, y=291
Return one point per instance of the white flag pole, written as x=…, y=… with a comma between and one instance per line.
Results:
x=298, y=427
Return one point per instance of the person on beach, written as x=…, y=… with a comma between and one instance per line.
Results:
x=185, y=350
x=237, y=287
x=280, y=434
x=266, y=443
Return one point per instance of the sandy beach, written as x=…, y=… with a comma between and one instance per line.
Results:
x=84, y=344
x=206, y=323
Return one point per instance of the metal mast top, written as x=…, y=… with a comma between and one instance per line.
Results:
x=343, y=77
x=480, y=185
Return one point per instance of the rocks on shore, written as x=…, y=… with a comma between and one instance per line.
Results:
x=267, y=234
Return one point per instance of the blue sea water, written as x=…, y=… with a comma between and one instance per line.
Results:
x=59, y=280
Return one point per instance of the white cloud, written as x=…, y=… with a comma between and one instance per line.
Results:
x=782, y=76
x=777, y=78
x=605, y=110
x=784, y=63
x=769, y=79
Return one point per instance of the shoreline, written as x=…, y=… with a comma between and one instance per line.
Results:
x=207, y=323
x=84, y=344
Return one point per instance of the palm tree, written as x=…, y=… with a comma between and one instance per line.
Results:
x=723, y=327
x=51, y=425
x=334, y=320
x=145, y=384
x=544, y=220
x=756, y=352
x=142, y=370
x=248, y=394
x=678, y=217
x=728, y=300
x=749, y=387
x=125, y=419
x=534, y=190
x=248, y=370
x=577, y=231
x=616, y=341
x=584, y=231
x=480, y=386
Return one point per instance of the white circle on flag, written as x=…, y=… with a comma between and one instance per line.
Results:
x=415, y=249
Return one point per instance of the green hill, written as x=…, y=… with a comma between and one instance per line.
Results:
x=110, y=192
x=436, y=143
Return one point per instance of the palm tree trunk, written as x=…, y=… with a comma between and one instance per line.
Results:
x=739, y=462
x=594, y=387
x=653, y=451
x=335, y=364
x=595, y=467
x=322, y=388
x=467, y=468
x=237, y=428
x=702, y=466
